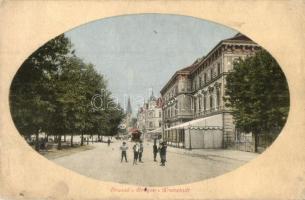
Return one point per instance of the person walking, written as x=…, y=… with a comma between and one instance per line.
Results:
x=108, y=141
x=124, y=149
x=163, y=153
x=155, y=150
x=141, y=149
x=136, y=149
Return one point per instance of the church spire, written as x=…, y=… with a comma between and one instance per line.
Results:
x=152, y=96
x=128, y=109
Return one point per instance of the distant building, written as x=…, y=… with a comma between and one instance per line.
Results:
x=194, y=114
x=149, y=117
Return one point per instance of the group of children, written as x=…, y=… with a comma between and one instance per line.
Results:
x=137, y=152
x=162, y=151
x=138, y=149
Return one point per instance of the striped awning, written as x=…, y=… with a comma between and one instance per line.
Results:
x=197, y=124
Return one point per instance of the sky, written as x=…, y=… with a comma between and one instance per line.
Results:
x=138, y=54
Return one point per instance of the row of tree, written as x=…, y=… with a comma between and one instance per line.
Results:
x=257, y=92
x=56, y=93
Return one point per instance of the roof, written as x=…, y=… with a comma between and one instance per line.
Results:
x=185, y=71
x=239, y=37
x=190, y=69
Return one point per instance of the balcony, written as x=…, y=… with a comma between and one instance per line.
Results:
x=208, y=112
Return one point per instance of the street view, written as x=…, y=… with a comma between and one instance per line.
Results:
x=150, y=100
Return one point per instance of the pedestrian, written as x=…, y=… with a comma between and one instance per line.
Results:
x=165, y=144
x=124, y=149
x=108, y=141
x=159, y=149
x=155, y=150
x=136, y=149
x=163, y=153
x=141, y=149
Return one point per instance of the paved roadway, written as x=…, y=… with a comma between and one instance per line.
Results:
x=182, y=166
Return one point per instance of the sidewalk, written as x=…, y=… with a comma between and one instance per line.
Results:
x=242, y=156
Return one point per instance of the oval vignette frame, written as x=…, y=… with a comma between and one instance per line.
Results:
x=244, y=168
x=224, y=56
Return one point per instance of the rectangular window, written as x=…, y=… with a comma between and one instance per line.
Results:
x=199, y=106
x=218, y=69
x=204, y=102
x=211, y=74
x=200, y=83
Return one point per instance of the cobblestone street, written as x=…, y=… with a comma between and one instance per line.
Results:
x=182, y=166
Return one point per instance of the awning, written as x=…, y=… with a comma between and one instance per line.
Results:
x=158, y=130
x=195, y=124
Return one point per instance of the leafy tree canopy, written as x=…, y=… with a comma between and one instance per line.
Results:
x=257, y=92
x=52, y=93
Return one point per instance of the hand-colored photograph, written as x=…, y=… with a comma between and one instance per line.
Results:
x=150, y=99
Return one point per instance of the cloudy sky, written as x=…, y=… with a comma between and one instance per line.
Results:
x=139, y=53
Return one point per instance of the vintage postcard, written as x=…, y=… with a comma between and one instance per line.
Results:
x=152, y=100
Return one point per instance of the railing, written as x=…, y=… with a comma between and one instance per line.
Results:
x=207, y=83
x=209, y=111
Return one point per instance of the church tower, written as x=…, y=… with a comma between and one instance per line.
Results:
x=128, y=114
x=128, y=109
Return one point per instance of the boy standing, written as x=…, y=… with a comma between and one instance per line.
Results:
x=124, y=149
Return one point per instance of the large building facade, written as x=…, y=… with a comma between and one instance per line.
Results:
x=194, y=113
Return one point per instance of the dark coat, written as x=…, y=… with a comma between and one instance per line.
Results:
x=155, y=149
x=163, y=150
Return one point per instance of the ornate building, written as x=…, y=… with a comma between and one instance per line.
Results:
x=149, y=117
x=194, y=112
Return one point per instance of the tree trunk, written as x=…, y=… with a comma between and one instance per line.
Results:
x=71, y=141
x=59, y=142
x=255, y=142
x=37, y=141
x=82, y=139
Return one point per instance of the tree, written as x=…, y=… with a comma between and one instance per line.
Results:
x=32, y=87
x=52, y=93
x=257, y=92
